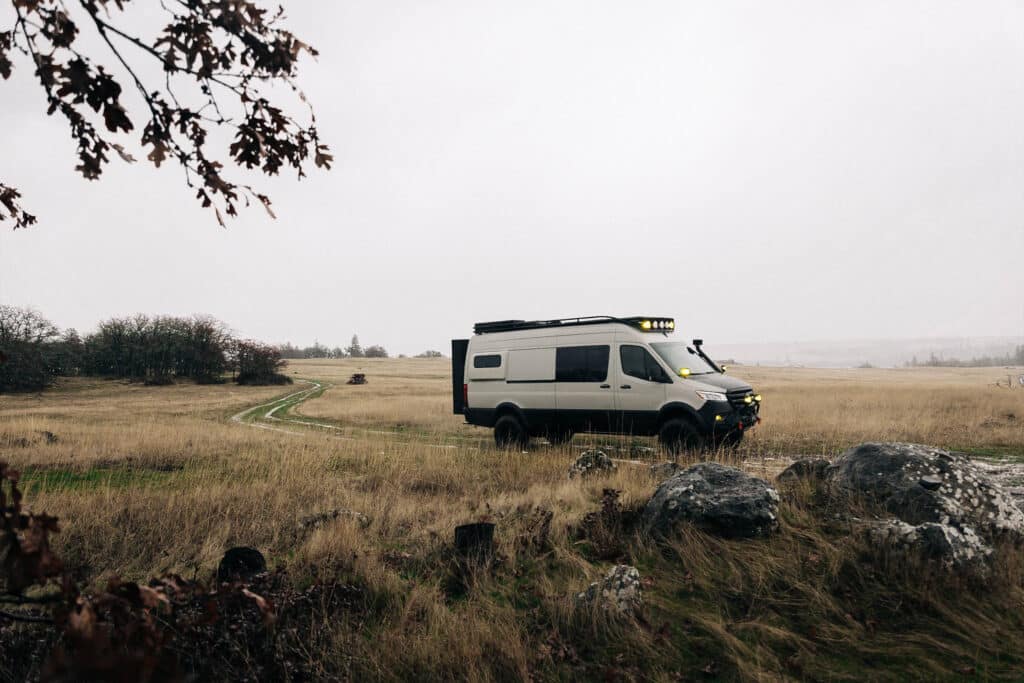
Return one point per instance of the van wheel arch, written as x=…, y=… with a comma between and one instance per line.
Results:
x=680, y=429
x=681, y=410
x=510, y=409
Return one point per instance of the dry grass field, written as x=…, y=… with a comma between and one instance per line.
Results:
x=148, y=480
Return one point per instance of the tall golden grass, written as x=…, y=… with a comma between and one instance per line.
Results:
x=159, y=479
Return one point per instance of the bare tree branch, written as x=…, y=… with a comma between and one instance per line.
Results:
x=223, y=52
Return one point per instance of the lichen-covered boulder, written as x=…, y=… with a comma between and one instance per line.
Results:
x=920, y=484
x=812, y=469
x=620, y=591
x=721, y=500
x=946, y=507
x=1009, y=475
x=955, y=548
x=591, y=463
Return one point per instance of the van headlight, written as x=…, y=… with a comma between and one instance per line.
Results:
x=711, y=395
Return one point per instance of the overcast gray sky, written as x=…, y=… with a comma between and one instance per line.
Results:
x=761, y=171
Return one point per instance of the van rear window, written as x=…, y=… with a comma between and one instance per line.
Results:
x=488, y=361
x=581, y=364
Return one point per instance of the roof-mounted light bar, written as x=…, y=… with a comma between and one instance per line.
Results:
x=654, y=324
x=643, y=322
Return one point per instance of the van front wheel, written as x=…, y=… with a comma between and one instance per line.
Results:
x=509, y=433
x=678, y=435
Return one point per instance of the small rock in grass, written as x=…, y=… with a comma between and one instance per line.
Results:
x=637, y=451
x=664, y=470
x=591, y=463
x=314, y=522
x=620, y=591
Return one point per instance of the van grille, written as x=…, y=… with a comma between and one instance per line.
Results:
x=736, y=397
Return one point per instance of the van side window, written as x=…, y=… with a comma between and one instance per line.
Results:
x=488, y=361
x=637, y=362
x=581, y=363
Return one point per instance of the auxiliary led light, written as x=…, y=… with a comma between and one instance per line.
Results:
x=748, y=399
x=671, y=324
x=718, y=418
x=646, y=325
x=757, y=398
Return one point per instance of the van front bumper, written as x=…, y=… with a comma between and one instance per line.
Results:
x=721, y=418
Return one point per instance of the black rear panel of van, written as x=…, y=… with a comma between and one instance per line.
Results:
x=459, y=347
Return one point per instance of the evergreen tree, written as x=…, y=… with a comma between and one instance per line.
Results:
x=354, y=349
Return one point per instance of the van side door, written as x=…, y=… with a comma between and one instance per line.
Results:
x=640, y=389
x=583, y=396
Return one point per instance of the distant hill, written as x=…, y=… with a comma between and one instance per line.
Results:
x=857, y=352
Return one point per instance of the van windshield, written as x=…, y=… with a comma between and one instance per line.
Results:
x=677, y=355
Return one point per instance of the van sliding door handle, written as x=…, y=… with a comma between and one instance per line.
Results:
x=606, y=386
x=625, y=386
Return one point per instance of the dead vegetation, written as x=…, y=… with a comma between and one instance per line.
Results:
x=157, y=480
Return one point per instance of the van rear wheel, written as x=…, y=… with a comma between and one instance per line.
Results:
x=509, y=433
x=678, y=435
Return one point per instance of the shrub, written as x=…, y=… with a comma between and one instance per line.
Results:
x=26, y=358
x=257, y=363
x=376, y=351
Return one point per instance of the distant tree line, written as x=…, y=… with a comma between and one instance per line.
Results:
x=1015, y=357
x=353, y=350
x=150, y=349
x=318, y=350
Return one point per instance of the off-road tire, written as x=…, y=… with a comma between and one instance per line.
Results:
x=678, y=435
x=510, y=434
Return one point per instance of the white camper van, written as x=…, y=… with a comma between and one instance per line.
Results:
x=554, y=378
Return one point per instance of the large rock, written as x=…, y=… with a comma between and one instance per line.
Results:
x=920, y=484
x=719, y=499
x=620, y=591
x=1009, y=475
x=951, y=546
x=591, y=463
x=946, y=507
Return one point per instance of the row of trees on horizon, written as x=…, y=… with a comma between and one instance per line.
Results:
x=318, y=350
x=150, y=349
x=1016, y=357
x=353, y=350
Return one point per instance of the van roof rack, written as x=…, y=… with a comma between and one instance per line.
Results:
x=646, y=323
